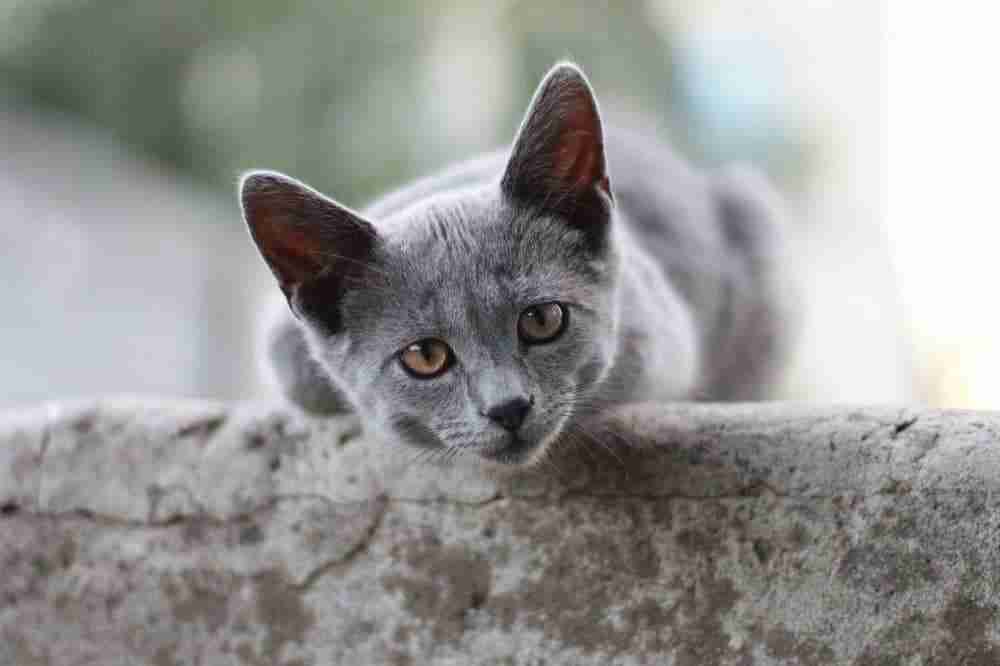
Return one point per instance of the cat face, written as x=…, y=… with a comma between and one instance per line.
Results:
x=479, y=328
x=475, y=321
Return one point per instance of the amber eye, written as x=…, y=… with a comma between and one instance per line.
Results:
x=542, y=323
x=426, y=358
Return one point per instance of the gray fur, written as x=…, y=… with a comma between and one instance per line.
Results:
x=680, y=301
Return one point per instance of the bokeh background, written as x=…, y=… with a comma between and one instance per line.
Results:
x=124, y=265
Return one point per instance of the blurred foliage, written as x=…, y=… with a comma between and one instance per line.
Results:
x=337, y=93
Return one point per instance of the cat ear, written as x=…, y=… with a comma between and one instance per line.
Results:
x=301, y=234
x=558, y=157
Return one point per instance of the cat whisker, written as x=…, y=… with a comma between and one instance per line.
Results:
x=583, y=433
x=546, y=459
x=421, y=458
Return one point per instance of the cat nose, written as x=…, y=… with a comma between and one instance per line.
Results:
x=511, y=414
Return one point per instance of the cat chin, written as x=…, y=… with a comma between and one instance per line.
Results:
x=501, y=471
x=510, y=451
x=523, y=455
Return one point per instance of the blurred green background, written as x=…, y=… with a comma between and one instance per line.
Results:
x=127, y=123
x=357, y=96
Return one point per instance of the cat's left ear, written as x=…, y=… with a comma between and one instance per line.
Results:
x=313, y=245
x=558, y=160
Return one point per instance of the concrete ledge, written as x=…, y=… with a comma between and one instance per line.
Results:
x=172, y=533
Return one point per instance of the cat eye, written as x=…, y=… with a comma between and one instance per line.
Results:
x=542, y=323
x=426, y=358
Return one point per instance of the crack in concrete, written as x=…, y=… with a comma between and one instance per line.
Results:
x=751, y=491
x=353, y=552
x=903, y=426
x=208, y=518
x=900, y=425
x=203, y=428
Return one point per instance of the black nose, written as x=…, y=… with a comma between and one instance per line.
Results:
x=511, y=414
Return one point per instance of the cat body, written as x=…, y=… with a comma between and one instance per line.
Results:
x=494, y=307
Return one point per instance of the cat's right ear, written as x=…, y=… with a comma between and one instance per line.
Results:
x=303, y=236
x=557, y=161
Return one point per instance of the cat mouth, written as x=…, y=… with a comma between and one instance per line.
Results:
x=511, y=450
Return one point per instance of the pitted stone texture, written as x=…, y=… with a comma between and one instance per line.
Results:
x=171, y=533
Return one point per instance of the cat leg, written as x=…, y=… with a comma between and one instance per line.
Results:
x=297, y=375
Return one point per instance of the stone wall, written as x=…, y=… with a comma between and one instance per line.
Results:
x=171, y=533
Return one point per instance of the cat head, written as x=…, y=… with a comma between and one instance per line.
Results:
x=477, y=320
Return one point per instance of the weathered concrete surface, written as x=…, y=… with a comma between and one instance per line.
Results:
x=194, y=533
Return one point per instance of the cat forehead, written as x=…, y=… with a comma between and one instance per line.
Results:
x=457, y=259
x=472, y=236
x=403, y=215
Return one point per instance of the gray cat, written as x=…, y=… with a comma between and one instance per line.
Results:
x=493, y=308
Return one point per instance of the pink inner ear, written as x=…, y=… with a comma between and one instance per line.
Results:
x=578, y=164
x=580, y=152
x=292, y=252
